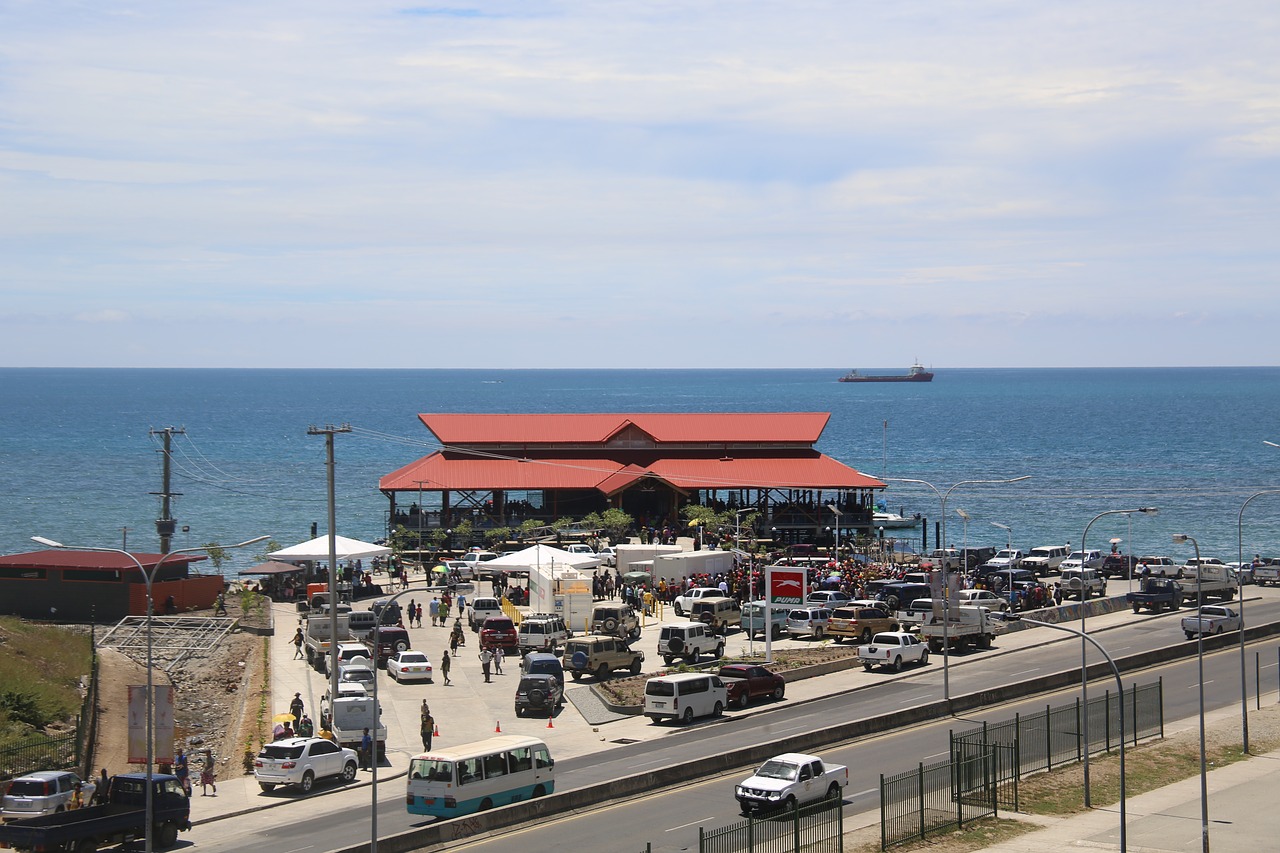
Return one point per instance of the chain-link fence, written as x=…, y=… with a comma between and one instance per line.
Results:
x=814, y=828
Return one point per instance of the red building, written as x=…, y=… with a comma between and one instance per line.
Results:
x=77, y=586
x=499, y=470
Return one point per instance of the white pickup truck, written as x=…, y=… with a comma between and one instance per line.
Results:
x=893, y=649
x=1213, y=619
x=791, y=780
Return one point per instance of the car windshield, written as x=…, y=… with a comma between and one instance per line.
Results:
x=778, y=770
x=280, y=753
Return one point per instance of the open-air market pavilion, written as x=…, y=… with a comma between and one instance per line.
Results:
x=498, y=470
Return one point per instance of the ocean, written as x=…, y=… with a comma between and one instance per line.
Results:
x=80, y=465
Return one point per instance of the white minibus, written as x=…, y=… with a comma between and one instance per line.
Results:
x=475, y=777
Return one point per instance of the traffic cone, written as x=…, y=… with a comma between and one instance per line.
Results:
x=549, y=722
x=436, y=733
x=497, y=727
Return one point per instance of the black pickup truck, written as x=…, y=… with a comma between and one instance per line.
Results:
x=1157, y=594
x=123, y=818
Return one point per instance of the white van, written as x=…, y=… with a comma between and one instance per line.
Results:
x=683, y=697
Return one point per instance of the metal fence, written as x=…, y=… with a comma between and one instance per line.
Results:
x=39, y=752
x=1055, y=736
x=987, y=762
x=815, y=828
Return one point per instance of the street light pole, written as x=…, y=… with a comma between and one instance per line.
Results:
x=1244, y=688
x=1010, y=617
x=1084, y=667
x=1180, y=538
x=147, y=580
x=946, y=591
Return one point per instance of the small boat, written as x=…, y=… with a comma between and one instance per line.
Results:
x=917, y=373
x=892, y=521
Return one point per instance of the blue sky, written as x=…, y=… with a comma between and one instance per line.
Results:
x=554, y=184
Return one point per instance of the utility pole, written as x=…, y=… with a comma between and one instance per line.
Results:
x=329, y=431
x=165, y=524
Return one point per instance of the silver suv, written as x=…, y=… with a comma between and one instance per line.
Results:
x=541, y=632
x=1083, y=583
x=688, y=640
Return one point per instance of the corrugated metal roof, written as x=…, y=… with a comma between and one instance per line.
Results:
x=438, y=471
x=692, y=427
x=104, y=560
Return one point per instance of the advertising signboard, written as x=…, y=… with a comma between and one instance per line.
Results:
x=786, y=585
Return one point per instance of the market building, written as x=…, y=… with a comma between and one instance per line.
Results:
x=499, y=470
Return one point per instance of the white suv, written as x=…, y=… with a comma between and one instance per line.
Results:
x=1045, y=559
x=684, y=603
x=688, y=640
x=42, y=793
x=300, y=761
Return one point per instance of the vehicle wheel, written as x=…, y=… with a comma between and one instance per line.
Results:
x=893, y=626
x=692, y=656
x=777, y=632
x=392, y=673
x=1190, y=636
x=1179, y=574
x=635, y=667
x=1138, y=607
x=818, y=632
x=742, y=702
x=576, y=675
x=779, y=692
x=86, y=845
x=924, y=657
x=833, y=792
x=266, y=786
x=602, y=672
x=790, y=802
x=348, y=772
x=984, y=642
x=538, y=791
x=308, y=782
x=687, y=717
x=166, y=834
x=718, y=710
x=1219, y=631
x=678, y=609
x=667, y=660
x=897, y=664
x=866, y=636
x=867, y=667
x=485, y=804
x=720, y=651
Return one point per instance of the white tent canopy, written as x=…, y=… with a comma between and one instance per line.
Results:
x=538, y=555
x=318, y=549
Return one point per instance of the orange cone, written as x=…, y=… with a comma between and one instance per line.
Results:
x=437, y=731
x=549, y=722
x=497, y=727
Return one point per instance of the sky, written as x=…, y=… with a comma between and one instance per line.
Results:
x=639, y=184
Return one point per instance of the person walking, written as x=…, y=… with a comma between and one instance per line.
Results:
x=295, y=706
x=412, y=611
x=498, y=655
x=366, y=748
x=182, y=769
x=419, y=616
x=444, y=667
x=206, y=776
x=462, y=605
x=297, y=643
x=486, y=661
x=428, y=726
x=221, y=605
x=434, y=609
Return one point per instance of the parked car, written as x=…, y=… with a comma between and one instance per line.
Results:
x=542, y=663
x=1082, y=583
x=688, y=640
x=300, y=761
x=582, y=549
x=1006, y=558
x=684, y=696
x=1165, y=567
x=747, y=681
x=600, y=655
x=859, y=623
x=409, y=666
x=984, y=598
x=716, y=613
x=499, y=632
x=808, y=622
x=620, y=620
x=482, y=607
x=539, y=693
x=682, y=603
x=43, y=792
x=542, y=632
x=349, y=653
x=359, y=673
x=392, y=639
x=1117, y=565
x=828, y=598
x=1090, y=559
x=1045, y=559
x=752, y=620
x=608, y=555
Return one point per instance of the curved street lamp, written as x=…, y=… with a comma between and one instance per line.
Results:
x=1179, y=539
x=1084, y=669
x=148, y=579
x=1115, y=671
x=1244, y=688
x=946, y=607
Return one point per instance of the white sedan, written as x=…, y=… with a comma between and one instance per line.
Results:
x=984, y=598
x=410, y=666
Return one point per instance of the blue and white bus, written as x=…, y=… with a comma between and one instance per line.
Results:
x=478, y=776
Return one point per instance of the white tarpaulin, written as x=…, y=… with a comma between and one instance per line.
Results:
x=318, y=549
x=537, y=555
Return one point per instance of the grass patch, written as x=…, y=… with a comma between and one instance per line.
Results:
x=40, y=671
x=977, y=835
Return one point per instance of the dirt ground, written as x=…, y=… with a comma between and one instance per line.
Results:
x=211, y=696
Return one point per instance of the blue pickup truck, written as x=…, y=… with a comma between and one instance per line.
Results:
x=123, y=818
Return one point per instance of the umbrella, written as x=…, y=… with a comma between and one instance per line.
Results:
x=835, y=576
x=636, y=577
x=283, y=718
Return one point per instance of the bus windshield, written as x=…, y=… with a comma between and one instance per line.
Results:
x=431, y=770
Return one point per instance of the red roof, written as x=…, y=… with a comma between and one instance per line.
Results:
x=455, y=472
x=103, y=560
x=670, y=428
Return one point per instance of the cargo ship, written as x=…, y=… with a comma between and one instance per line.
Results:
x=917, y=373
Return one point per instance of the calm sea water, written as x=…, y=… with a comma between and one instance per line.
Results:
x=78, y=463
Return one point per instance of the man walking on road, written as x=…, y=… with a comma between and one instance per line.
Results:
x=498, y=655
x=366, y=749
x=428, y=726
x=297, y=643
x=486, y=659
x=444, y=667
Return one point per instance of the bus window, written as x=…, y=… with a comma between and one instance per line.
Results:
x=495, y=765
x=470, y=770
x=431, y=769
x=520, y=760
x=543, y=757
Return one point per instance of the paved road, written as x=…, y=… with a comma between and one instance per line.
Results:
x=341, y=818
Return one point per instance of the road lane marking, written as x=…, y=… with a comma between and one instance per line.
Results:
x=690, y=823
x=862, y=793
x=938, y=754
x=790, y=729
